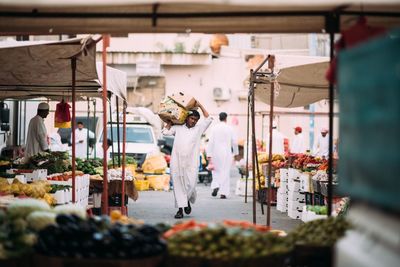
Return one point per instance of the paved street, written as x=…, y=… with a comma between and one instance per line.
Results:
x=158, y=206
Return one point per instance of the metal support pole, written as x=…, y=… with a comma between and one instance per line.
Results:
x=332, y=25
x=331, y=103
x=88, y=128
x=104, y=206
x=118, y=134
x=94, y=125
x=254, y=142
x=247, y=140
x=123, y=157
x=112, y=135
x=271, y=64
x=73, y=126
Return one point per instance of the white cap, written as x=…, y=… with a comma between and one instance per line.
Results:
x=43, y=106
x=324, y=130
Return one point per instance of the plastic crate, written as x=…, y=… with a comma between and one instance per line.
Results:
x=316, y=186
x=116, y=200
x=142, y=185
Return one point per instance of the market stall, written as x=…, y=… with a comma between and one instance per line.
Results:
x=43, y=69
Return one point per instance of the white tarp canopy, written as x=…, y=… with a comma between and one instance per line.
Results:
x=43, y=69
x=206, y=16
x=301, y=81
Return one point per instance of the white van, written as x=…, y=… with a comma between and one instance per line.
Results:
x=140, y=141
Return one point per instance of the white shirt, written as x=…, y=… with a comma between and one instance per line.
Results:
x=36, y=140
x=298, y=144
x=321, y=146
x=278, y=139
x=221, y=148
x=185, y=160
x=81, y=148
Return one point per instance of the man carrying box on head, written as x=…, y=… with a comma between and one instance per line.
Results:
x=185, y=158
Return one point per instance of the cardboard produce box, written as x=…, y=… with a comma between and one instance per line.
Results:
x=170, y=111
x=184, y=100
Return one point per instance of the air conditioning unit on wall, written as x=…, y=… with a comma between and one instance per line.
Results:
x=222, y=94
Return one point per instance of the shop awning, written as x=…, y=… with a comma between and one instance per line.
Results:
x=300, y=82
x=205, y=16
x=43, y=69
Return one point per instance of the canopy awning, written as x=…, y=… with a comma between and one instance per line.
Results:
x=301, y=82
x=43, y=69
x=205, y=16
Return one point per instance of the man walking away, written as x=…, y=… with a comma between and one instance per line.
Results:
x=221, y=148
x=185, y=158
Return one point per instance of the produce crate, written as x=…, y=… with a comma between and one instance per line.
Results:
x=116, y=199
x=262, y=196
x=40, y=260
x=142, y=185
x=309, y=198
x=272, y=261
x=311, y=256
x=319, y=199
x=23, y=261
x=324, y=189
x=316, y=186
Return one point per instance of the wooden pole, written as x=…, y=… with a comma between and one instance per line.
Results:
x=271, y=65
x=104, y=206
x=73, y=126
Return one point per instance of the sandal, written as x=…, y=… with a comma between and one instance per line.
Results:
x=179, y=214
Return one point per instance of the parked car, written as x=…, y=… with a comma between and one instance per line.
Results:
x=140, y=141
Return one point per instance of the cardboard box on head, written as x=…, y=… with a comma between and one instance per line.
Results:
x=170, y=111
x=184, y=100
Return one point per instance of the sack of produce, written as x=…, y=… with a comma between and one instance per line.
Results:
x=155, y=164
x=169, y=111
x=184, y=100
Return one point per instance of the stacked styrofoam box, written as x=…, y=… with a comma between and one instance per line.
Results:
x=310, y=215
x=241, y=187
x=296, y=200
x=305, y=182
x=282, y=192
x=81, y=191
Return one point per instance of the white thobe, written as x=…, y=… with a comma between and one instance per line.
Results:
x=185, y=160
x=36, y=140
x=321, y=146
x=221, y=148
x=298, y=144
x=278, y=146
x=81, y=148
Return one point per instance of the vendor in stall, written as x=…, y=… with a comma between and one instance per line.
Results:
x=36, y=140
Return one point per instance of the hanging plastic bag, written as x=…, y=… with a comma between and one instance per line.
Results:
x=62, y=116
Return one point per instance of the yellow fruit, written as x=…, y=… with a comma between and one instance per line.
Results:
x=115, y=215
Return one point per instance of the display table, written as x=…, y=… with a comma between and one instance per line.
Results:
x=115, y=187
